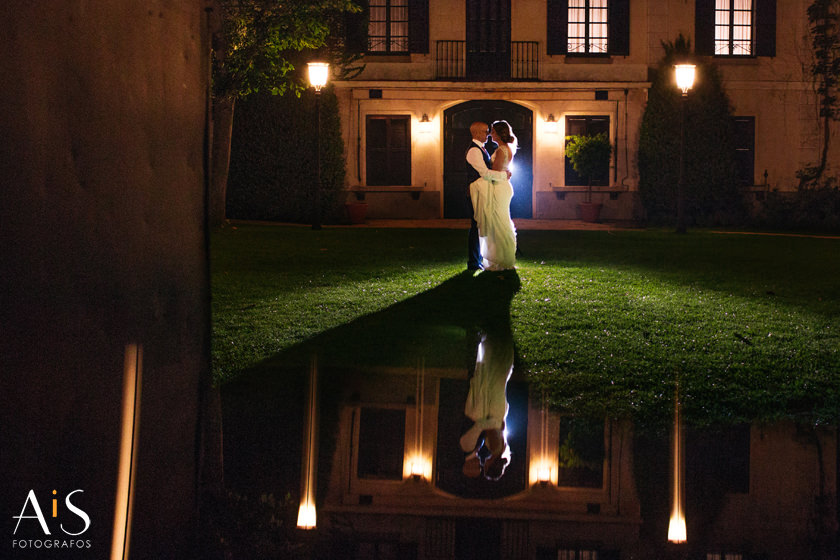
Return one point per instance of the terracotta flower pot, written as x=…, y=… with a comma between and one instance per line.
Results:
x=356, y=211
x=590, y=211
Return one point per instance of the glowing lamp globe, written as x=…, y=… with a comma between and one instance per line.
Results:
x=318, y=73
x=685, y=76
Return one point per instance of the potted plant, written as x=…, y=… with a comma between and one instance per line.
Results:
x=356, y=211
x=589, y=155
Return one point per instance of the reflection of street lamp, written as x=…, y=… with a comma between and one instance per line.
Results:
x=685, y=79
x=318, y=72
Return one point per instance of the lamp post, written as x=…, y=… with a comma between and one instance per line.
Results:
x=685, y=79
x=318, y=72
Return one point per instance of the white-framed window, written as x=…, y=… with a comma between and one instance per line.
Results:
x=588, y=27
x=388, y=28
x=734, y=27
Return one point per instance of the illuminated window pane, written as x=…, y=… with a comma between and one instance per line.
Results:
x=588, y=29
x=388, y=27
x=399, y=44
x=577, y=15
x=733, y=27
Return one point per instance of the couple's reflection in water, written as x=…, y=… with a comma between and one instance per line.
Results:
x=485, y=442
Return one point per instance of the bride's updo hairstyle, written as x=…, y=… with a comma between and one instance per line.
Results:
x=504, y=131
x=502, y=128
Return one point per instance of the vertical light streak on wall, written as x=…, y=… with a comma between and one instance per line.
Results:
x=543, y=466
x=306, y=513
x=417, y=412
x=676, y=526
x=418, y=464
x=132, y=377
x=548, y=464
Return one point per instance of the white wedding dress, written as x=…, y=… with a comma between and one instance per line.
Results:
x=487, y=404
x=491, y=205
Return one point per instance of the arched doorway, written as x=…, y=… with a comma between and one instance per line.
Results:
x=456, y=140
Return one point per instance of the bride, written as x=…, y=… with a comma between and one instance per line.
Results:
x=491, y=203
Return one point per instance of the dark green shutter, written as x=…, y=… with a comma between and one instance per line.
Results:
x=619, y=32
x=704, y=27
x=418, y=26
x=557, y=24
x=356, y=29
x=765, y=28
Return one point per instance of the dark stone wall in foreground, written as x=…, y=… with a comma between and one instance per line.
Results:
x=103, y=241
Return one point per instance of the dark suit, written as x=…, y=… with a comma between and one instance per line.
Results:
x=473, y=248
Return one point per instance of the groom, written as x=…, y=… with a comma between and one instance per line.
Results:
x=478, y=166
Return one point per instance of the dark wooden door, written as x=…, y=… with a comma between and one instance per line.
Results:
x=456, y=141
x=488, y=40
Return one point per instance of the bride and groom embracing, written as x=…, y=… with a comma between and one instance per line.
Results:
x=492, y=237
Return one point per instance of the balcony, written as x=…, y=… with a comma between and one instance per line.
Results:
x=453, y=61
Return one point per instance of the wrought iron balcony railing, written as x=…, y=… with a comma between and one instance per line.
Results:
x=454, y=61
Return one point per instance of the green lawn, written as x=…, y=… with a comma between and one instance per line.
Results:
x=603, y=321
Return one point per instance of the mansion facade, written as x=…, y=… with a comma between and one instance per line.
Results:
x=554, y=68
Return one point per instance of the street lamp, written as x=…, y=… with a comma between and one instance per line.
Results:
x=318, y=72
x=684, y=74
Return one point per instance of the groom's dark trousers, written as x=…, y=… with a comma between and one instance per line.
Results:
x=473, y=247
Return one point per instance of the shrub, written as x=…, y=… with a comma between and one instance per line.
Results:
x=711, y=191
x=814, y=209
x=273, y=160
x=589, y=155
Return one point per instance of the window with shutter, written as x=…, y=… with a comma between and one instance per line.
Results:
x=735, y=28
x=588, y=27
x=585, y=125
x=388, y=26
x=388, y=149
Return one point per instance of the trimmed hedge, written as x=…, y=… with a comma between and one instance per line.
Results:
x=273, y=159
x=814, y=209
x=712, y=195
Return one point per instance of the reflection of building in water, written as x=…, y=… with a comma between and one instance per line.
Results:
x=752, y=492
x=394, y=468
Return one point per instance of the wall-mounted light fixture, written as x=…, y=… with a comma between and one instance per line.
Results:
x=551, y=124
x=425, y=124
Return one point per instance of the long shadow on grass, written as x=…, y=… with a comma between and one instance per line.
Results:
x=264, y=406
